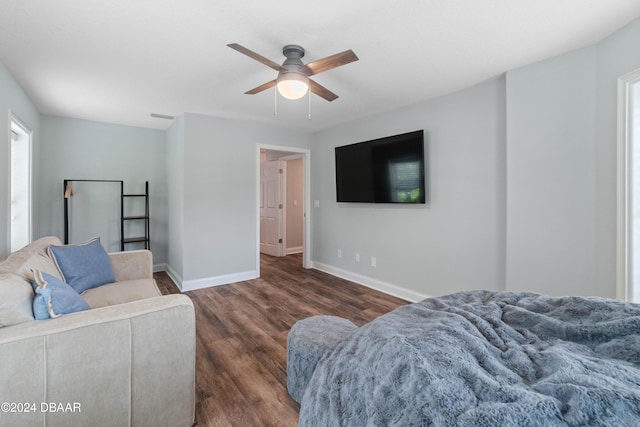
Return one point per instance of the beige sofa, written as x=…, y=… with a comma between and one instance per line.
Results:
x=128, y=361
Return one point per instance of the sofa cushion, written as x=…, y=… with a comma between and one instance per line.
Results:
x=16, y=299
x=53, y=297
x=83, y=266
x=31, y=256
x=121, y=292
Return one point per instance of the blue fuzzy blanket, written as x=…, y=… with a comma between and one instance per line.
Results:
x=484, y=359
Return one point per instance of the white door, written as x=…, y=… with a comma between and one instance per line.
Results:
x=271, y=208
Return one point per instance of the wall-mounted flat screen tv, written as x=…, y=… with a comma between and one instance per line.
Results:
x=384, y=170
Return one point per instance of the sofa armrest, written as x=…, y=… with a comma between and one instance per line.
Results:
x=131, y=265
x=128, y=364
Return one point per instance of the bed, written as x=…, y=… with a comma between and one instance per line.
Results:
x=484, y=358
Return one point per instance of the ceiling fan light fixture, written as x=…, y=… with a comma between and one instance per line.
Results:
x=293, y=81
x=292, y=85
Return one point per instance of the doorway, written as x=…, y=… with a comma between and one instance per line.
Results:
x=19, y=183
x=283, y=221
x=629, y=187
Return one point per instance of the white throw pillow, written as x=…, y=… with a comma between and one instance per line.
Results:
x=16, y=300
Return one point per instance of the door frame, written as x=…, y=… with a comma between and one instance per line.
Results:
x=623, y=261
x=285, y=165
x=306, y=197
x=14, y=118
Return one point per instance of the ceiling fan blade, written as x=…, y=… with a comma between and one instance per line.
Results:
x=260, y=88
x=257, y=57
x=330, y=62
x=322, y=91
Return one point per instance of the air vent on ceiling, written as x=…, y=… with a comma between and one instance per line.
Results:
x=162, y=116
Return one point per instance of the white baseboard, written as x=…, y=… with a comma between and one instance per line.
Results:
x=387, y=288
x=191, y=285
x=173, y=276
x=294, y=250
x=369, y=282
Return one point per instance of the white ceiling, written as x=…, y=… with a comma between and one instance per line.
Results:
x=117, y=61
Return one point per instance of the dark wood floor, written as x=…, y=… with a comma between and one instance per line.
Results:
x=241, y=333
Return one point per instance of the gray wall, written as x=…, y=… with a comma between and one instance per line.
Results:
x=618, y=54
x=454, y=243
x=538, y=211
x=561, y=174
x=175, y=197
x=13, y=98
x=551, y=175
x=80, y=149
x=220, y=193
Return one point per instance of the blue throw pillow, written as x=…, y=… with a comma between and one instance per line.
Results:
x=54, y=297
x=83, y=266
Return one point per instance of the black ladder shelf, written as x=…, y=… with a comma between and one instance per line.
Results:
x=142, y=239
x=141, y=217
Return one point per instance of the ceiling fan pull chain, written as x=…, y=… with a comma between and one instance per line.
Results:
x=309, y=94
x=275, y=103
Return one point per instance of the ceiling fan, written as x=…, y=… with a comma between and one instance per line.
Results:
x=293, y=75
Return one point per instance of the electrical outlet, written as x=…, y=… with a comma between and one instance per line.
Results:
x=339, y=253
x=374, y=261
x=357, y=257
